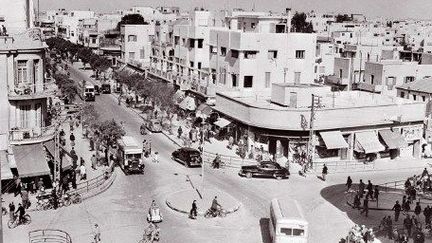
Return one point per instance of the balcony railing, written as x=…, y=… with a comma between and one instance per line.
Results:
x=30, y=91
x=30, y=135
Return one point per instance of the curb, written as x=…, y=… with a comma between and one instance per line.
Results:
x=230, y=211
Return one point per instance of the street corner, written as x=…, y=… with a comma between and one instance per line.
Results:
x=181, y=201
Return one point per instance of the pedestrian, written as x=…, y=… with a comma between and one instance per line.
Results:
x=361, y=187
x=406, y=205
x=356, y=203
x=376, y=194
x=156, y=157
x=72, y=139
x=397, y=209
x=91, y=144
x=73, y=179
x=365, y=207
x=93, y=162
x=369, y=188
x=65, y=183
x=193, y=212
x=73, y=152
x=417, y=209
x=179, y=132
x=427, y=213
x=324, y=172
x=348, y=183
x=389, y=227
x=11, y=211
x=83, y=172
x=97, y=234
x=230, y=142
x=25, y=199
x=408, y=224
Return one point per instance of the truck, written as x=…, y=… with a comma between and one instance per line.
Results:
x=130, y=155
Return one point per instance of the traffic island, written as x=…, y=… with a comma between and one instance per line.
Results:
x=181, y=201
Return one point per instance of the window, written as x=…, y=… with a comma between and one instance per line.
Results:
x=199, y=65
x=25, y=116
x=414, y=97
x=372, y=77
x=22, y=76
x=223, y=51
x=142, y=53
x=222, y=77
x=234, y=80
x=267, y=79
x=191, y=43
x=36, y=71
x=250, y=54
x=184, y=41
x=409, y=79
x=200, y=43
x=322, y=69
x=424, y=98
x=191, y=64
x=402, y=94
x=272, y=54
x=38, y=109
x=315, y=69
x=298, y=232
x=297, y=76
x=234, y=53
x=93, y=40
x=300, y=54
x=213, y=49
x=286, y=231
x=132, y=55
x=248, y=81
x=132, y=38
x=176, y=40
x=340, y=73
x=253, y=25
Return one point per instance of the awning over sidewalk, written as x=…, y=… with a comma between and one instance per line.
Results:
x=31, y=160
x=222, y=122
x=204, y=109
x=392, y=139
x=6, y=172
x=368, y=142
x=67, y=160
x=188, y=104
x=334, y=140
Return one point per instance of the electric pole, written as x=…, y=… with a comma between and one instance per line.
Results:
x=316, y=103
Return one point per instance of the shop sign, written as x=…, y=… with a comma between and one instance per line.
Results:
x=412, y=133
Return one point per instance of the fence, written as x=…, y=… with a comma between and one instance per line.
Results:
x=395, y=185
x=229, y=161
x=49, y=235
x=344, y=165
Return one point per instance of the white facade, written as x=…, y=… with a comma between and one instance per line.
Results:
x=18, y=15
x=136, y=43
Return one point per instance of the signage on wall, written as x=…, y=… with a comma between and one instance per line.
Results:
x=412, y=133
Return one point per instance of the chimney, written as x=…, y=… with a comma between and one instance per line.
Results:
x=288, y=14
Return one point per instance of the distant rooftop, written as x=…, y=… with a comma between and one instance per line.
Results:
x=421, y=85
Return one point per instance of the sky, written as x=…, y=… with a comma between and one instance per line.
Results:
x=421, y=9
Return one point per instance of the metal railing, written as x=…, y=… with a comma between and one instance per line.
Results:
x=344, y=165
x=23, y=134
x=49, y=235
x=89, y=186
x=395, y=185
x=29, y=90
x=229, y=161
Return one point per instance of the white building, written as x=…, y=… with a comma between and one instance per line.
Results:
x=136, y=43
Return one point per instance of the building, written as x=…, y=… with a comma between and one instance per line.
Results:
x=88, y=34
x=67, y=23
x=136, y=42
x=350, y=125
x=17, y=15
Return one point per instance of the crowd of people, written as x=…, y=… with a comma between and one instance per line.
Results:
x=360, y=234
x=366, y=193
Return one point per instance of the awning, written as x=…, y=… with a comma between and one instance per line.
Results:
x=205, y=109
x=222, y=122
x=6, y=172
x=368, y=142
x=50, y=146
x=334, y=140
x=188, y=104
x=393, y=139
x=31, y=160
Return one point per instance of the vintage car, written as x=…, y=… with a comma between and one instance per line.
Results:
x=267, y=169
x=154, y=125
x=190, y=157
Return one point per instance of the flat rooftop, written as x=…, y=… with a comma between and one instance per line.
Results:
x=330, y=100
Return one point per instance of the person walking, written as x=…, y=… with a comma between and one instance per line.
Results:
x=93, y=162
x=356, y=203
x=193, y=212
x=369, y=188
x=365, y=206
x=11, y=210
x=427, y=213
x=179, y=132
x=348, y=183
x=408, y=224
x=417, y=209
x=72, y=139
x=361, y=187
x=389, y=227
x=376, y=194
x=83, y=172
x=156, y=157
x=397, y=209
x=324, y=172
x=96, y=234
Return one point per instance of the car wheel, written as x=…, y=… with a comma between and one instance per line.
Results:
x=278, y=177
x=249, y=175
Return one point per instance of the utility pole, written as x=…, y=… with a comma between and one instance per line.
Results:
x=316, y=103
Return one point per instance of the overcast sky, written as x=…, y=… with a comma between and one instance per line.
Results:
x=372, y=8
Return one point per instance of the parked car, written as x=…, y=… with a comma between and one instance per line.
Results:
x=106, y=89
x=264, y=169
x=97, y=89
x=190, y=157
x=154, y=125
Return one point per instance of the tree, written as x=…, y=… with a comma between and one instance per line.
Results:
x=342, y=18
x=108, y=132
x=69, y=90
x=131, y=19
x=299, y=23
x=84, y=54
x=89, y=115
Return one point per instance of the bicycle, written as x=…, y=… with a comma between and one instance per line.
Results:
x=74, y=198
x=12, y=223
x=215, y=213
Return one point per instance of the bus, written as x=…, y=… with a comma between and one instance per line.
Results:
x=130, y=155
x=287, y=223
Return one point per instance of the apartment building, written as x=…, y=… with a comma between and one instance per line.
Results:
x=136, y=42
x=88, y=34
x=258, y=51
x=17, y=15
x=67, y=23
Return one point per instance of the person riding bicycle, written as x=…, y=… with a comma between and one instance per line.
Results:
x=21, y=212
x=217, y=161
x=215, y=205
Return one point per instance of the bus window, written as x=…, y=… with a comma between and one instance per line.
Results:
x=298, y=232
x=286, y=231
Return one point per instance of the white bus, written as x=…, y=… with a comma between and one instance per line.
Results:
x=287, y=223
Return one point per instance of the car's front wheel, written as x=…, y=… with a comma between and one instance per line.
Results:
x=249, y=175
x=278, y=177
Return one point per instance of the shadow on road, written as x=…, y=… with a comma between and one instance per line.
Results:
x=265, y=234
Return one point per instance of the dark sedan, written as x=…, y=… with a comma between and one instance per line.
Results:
x=187, y=156
x=264, y=169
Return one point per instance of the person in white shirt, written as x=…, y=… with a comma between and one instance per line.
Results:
x=83, y=172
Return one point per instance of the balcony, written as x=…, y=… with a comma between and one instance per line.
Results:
x=31, y=135
x=30, y=91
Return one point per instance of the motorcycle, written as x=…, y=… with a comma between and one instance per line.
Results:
x=154, y=215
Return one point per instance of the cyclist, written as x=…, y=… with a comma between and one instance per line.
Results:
x=21, y=212
x=215, y=205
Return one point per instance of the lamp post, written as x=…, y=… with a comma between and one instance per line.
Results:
x=316, y=103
